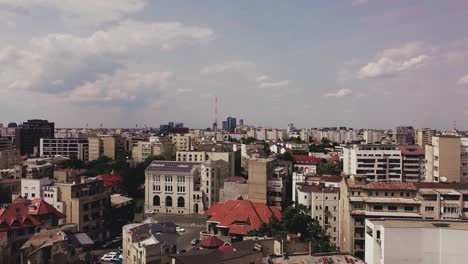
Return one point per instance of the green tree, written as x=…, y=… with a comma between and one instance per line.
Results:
x=266, y=149
x=248, y=140
x=74, y=163
x=326, y=167
x=286, y=156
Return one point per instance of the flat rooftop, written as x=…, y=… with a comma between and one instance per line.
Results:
x=419, y=223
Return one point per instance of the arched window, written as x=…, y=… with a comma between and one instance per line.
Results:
x=180, y=202
x=156, y=200
x=168, y=201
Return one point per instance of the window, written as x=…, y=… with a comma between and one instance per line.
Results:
x=392, y=208
x=168, y=178
x=168, y=201
x=180, y=202
x=157, y=188
x=401, y=194
x=157, y=178
x=156, y=200
x=392, y=194
x=386, y=193
x=305, y=196
x=409, y=208
x=168, y=188
x=181, y=188
x=370, y=193
x=378, y=207
x=407, y=194
x=429, y=208
x=378, y=234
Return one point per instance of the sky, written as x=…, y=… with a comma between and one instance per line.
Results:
x=128, y=63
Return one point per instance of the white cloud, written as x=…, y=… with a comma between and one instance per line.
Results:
x=463, y=80
x=76, y=59
x=274, y=84
x=231, y=66
x=391, y=62
x=184, y=90
x=339, y=93
x=83, y=11
x=121, y=86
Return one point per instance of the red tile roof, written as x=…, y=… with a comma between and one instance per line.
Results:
x=41, y=207
x=226, y=248
x=236, y=179
x=412, y=150
x=306, y=159
x=15, y=216
x=111, y=179
x=241, y=216
x=211, y=242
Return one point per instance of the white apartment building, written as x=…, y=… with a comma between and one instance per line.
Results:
x=403, y=241
x=32, y=188
x=178, y=187
x=373, y=136
x=65, y=147
x=202, y=156
x=384, y=162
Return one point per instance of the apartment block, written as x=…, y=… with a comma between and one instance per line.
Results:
x=360, y=200
x=384, y=162
x=65, y=147
x=424, y=136
x=181, y=142
x=447, y=159
x=85, y=204
x=32, y=188
x=202, y=156
x=36, y=169
x=106, y=145
x=267, y=181
x=183, y=187
x=142, y=150
x=323, y=203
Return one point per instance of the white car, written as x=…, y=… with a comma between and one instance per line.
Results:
x=109, y=256
x=149, y=212
x=179, y=229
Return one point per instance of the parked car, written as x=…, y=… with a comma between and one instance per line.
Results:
x=117, y=259
x=109, y=256
x=149, y=212
x=179, y=229
x=195, y=242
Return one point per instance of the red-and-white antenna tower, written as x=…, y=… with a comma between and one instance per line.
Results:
x=215, y=124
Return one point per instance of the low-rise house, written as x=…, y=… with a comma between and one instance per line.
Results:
x=234, y=219
x=56, y=246
x=148, y=242
x=113, y=182
x=305, y=164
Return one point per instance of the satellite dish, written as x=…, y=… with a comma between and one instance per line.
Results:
x=443, y=179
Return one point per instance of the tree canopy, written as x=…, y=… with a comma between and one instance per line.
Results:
x=297, y=220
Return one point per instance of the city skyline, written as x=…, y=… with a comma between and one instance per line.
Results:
x=353, y=63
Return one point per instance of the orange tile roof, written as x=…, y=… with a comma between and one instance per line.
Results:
x=41, y=207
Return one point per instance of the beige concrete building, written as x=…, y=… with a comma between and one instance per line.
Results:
x=360, y=200
x=266, y=181
x=181, y=142
x=323, y=203
x=8, y=155
x=179, y=187
x=148, y=242
x=107, y=145
x=234, y=188
x=424, y=136
x=142, y=150
x=85, y=204
x=202, y=156
x=443, y=159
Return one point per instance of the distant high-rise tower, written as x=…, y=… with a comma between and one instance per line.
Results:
x=241, y=122
x=28, y=135
x=215, y=124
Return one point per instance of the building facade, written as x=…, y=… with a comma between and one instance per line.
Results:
x=424, y=136
x=28, y=135
x=66, y=147
x=202, y=156
x=447, y=159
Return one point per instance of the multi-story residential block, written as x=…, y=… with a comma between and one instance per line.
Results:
x=202, y=156
x=266, y=181
x=447, y=159
x=142, y=150
x=306, y=164
x=415, y=241
x=29, y=134
x=85, y=204
x=66, y=147
x=384, y=162
x=402, y=135
x=106, y=145
x=424, y=136
x=36, y=169
x=373, y=136
x=69, y=175
x=32, y=188
x=8, y=155
x=181, y=142
x=323, y=203
x=183, y=187
x=360, y=200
